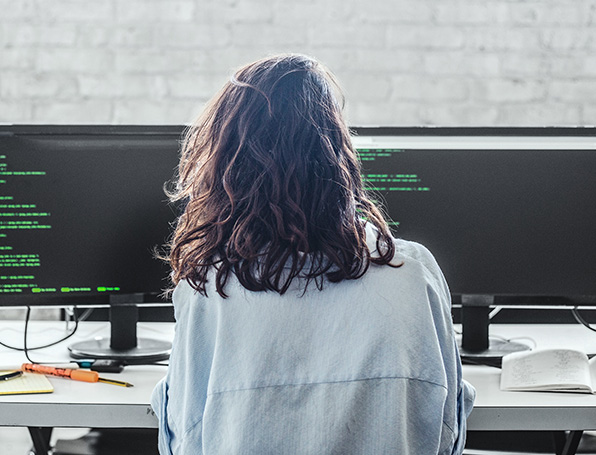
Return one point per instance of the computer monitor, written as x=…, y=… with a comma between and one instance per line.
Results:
x=509, y=213
x=82, y=210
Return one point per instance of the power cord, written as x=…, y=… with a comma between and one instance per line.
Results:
x=26, y=349
x=76, y=318
x=581, y=320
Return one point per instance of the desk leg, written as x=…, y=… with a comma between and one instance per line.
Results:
x=41, y=439
x=566, y=444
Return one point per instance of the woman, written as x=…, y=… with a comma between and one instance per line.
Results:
x=302, y=326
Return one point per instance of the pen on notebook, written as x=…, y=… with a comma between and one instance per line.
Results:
x=77, y=375
x=5, y=376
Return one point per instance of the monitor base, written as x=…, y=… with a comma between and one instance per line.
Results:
x=497, y=348
x=147, y=350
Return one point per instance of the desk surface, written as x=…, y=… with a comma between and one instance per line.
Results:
x=78, y=404
x=498, y=410
x=74, y=403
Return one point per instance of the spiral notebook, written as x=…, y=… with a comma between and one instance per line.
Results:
x=27, y=383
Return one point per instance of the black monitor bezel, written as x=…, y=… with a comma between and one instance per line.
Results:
x=502, y=299
x=176, y=132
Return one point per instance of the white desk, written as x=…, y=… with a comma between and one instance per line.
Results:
x=78, y=404
x=74, y=403
x=497, y=410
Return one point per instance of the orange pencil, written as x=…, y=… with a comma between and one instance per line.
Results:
x=77, y=375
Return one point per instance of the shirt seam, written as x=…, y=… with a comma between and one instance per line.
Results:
x=449, y=427
x=191, y=429
x=452, y=439
x=245, y=389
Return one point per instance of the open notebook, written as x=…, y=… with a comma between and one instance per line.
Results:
x=27, y=383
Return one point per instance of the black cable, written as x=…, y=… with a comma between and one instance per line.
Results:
x=581, y=320
x=27, y=349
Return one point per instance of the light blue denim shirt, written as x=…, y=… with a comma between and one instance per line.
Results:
x=366, y=366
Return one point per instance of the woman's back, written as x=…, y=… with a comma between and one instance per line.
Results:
x=363, y=366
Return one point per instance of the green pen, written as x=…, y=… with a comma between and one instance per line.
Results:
x=10, y=375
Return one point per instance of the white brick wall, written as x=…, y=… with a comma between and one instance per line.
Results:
x=402, y=62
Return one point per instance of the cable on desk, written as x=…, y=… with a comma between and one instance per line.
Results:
x=581, y=320
x=27, y=349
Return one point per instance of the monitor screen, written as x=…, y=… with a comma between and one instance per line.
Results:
x=82, y=210
x=509, y=213
x=506, y=212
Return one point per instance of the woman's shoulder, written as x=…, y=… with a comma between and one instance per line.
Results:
x=418, y=255
x=404, y=249
x=410, y=254
x=407, y=249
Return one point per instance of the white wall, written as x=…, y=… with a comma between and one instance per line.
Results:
x=402, y=62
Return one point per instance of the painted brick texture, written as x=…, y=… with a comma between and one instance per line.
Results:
x=401, y=62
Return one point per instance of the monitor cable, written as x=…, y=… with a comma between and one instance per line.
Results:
x=26, y=349
x=76, y=318
x=581, y=320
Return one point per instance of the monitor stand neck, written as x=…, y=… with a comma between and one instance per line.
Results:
x=476, y=345
x=123, y=345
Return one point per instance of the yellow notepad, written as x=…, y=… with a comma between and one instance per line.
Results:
x=27, y=383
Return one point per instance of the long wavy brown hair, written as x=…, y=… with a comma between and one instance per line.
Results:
x=271, y=185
